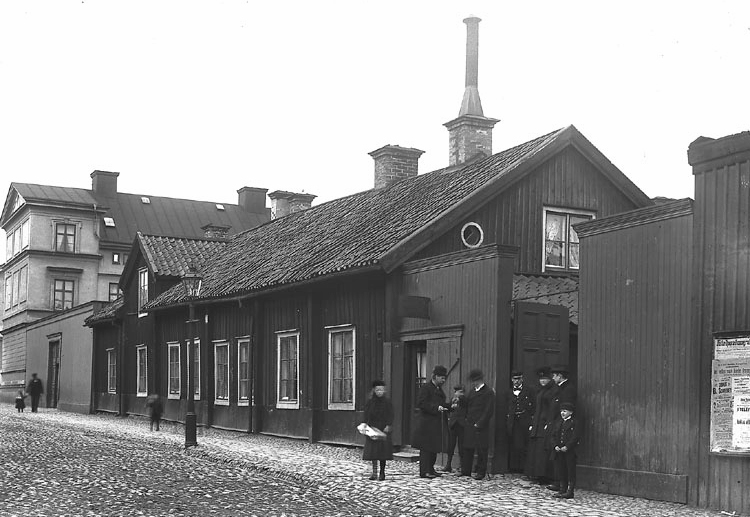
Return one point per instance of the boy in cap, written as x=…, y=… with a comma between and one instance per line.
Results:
x=565, y=438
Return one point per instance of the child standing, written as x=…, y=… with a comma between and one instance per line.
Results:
x=379, y=415
x=155, y=409
x=565, y=436
x=20, y=402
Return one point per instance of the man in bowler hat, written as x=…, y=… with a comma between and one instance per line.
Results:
x=480, y=406
x=427, y=435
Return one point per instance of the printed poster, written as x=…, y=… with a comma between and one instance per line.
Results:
x=741, y=422
x=730, y=395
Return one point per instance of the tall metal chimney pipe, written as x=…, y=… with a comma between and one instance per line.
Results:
x=472, y=50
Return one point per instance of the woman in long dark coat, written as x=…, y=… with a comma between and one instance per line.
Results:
x=378, y=414
x=538, y=465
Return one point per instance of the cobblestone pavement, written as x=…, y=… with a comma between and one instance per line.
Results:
x=57, y=463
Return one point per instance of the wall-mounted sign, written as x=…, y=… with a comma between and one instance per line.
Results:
x=730, y=394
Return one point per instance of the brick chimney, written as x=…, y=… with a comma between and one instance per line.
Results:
x=394, y=163
x=285, y=203
x=215, y=231
x=104, y=184
x=253, y=199
x=470, y=133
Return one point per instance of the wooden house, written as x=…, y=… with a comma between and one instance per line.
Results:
x=664, y=350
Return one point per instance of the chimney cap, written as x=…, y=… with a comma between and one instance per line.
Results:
x=103, y=173
x=472, y=19
x=396, y=150
x=280, y=194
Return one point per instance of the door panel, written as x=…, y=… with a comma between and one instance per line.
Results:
x=53, y=374
x=445, y=351
x=541, y=337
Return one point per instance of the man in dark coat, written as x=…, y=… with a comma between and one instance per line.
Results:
x=428, y=428
x=480, y=406
x=538, y=465
x=566, y=393
x=518, y=420
x=35, y=389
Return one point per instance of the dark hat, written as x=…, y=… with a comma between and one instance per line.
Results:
x=476, y=375
x=377, y=383
x=559, y=368
x=567, y=405
x=544, y=372
x=439, y=371
x=517, y=373
x=458, y=387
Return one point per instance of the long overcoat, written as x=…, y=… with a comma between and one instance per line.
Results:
x=537, y=458
x=378, y=414
x=428, y=425
x=480, y=406
x=520, y=409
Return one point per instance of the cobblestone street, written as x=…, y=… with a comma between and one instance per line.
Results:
x=65, y=464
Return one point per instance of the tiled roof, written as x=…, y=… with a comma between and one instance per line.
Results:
x=161, y=216
x=106, y=313
x=172, y=256
x=347, y=233
x=552, y=290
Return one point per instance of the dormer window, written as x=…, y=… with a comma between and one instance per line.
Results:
x=145, y=200
x=219, y=206
x=561, y=246
x=109, y=221
x=142, y=289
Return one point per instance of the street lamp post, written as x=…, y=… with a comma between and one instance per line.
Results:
x=191, y=281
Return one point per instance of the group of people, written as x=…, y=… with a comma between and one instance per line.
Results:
x=33, y=390
x=542, y=432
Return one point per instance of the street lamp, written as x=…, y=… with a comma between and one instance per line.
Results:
x=191, y=281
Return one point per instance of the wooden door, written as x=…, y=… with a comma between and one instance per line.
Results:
x=445, y=351
x=417, y=373
x=53, y=374
x=541, y=337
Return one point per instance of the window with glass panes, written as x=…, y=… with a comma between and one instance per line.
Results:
x=65, y=237
x=142, y=287
x=561, y=246
x=114, y=292
x=243, y=371
x=63, y=294
x=287, y=350
x=341, y=361
x=141, y=371
x=221, y=372
x=111, y=370
x=197, y=368
x=174, y=370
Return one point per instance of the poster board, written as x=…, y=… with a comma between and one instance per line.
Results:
x=730, y=394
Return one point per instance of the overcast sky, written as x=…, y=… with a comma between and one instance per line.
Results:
x=195, y=99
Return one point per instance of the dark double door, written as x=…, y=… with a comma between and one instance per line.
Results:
x=53, y=374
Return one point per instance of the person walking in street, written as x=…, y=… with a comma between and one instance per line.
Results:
x=35, y=390
x=20, y=401
x=378, y=415
x=155, y=410
x=456, y=422
x=480, y=407
x=566, y=435
x=428, y=429
x=518, y=420
x=566, y=393
x=538, y=465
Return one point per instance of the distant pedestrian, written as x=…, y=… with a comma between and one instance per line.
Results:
x=521, y=398
x=35, y=390
x=379, y=415
x=566, y=435
x=155, y=409
x=20, y=402
x=456, y=422
x=480, y=407
x=428, y=429
x=566, y=392
x=538, y=465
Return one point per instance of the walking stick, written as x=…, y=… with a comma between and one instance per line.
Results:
x=442, y=438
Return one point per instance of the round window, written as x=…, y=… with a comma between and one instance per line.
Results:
x=472, y=235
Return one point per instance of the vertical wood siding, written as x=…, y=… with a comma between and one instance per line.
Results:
x=515, y=216
x=636, y=366
x=722, y=251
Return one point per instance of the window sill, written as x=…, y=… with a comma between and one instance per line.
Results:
x=221, y=402
x=287, y=405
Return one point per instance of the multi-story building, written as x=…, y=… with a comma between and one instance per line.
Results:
x=66, y=247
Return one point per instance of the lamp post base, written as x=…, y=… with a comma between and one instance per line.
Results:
x=190, y=432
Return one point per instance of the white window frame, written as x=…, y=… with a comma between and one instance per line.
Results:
x=567, y=212
x=116, y=293
x=111, y=370
x=17, y=240
x=75, y=236
x=341, y=329
x=64, y=290
x=286, y=404
x=174, y=347
x=142, y=290
x=221, y=401
x=241, y=343
x=141, y=349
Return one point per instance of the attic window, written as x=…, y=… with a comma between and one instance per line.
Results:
x=219, y=206
x=108, y=221
x=472, y=235
x=145, y=200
